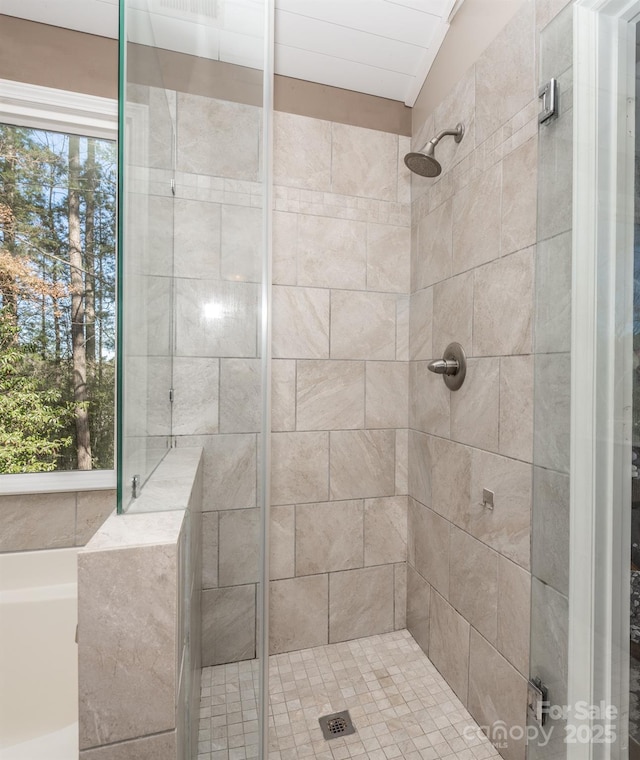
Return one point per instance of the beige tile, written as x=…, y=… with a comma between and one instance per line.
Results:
x=93, y=508
x=400, y=596
x=519, y=197
x=458, y=106
x=196, y=239
x=241, y=243
x=322, y=547
x=283, y=395
x=475, y=408
x=352, y=170
x=388, y=258
x=449, y=644
x=195, y=395
x=402, y=328
x=421, y=325
x=552, y=407
x=552, y=331
x=385, y=530
x=214, y=318
x=516, y=407
x=240, y=395
x=418, y=603
x=330, y=395
x=506, y=527
x=295, y=162
x=210, y=550
x=161, y=747
x=299, y=612
x=453, y=314
x=362, y=464
x=503, y=306
x=239, y=546
x=547, y=10
x=127, y=682
x=300, y=323
x=228, y=624
x=550, y=639
x=404, y=175
x=476, y=221
x=420, y=460
x=434, y=246
x=473, y=584
x=235, y=151
x=282, y=542
x=505, y=74
x=285, y=246
x=300, y=467
x=387, y=390
x=361, y=603
x=402, y=462
x=450, y=463
x=514, y=603
x=497, y=696
x=37, y=521
x=429, y=547
x=332, y=253
x=550, y=517
x=229, y=474
x=429, y=401
x=363, y=325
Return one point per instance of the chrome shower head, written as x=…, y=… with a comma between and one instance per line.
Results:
x=425, y=163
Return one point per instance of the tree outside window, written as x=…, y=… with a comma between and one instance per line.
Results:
x=57, y=301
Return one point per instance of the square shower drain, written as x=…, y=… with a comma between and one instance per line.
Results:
x=338, y=724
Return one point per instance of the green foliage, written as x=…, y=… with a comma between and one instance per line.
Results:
x=31, y=417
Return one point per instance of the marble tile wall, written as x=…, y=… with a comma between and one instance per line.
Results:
x=52, y=520
x=341, y=376
x=340, y=373
x=474, y=265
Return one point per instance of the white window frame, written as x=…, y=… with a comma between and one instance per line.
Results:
x=27, y=105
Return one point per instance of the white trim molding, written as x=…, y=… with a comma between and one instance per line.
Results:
x=28, y=105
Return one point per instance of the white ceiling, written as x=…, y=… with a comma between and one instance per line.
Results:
x=379, y=47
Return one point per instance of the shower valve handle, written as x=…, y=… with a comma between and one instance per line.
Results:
x=444, y=366
x=452, y=366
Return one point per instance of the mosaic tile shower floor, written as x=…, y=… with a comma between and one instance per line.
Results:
x=400, y=704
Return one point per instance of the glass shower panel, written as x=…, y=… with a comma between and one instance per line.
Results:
x=146, y=260
x=552, y=370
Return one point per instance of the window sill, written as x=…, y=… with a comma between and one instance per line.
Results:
x=57, y=482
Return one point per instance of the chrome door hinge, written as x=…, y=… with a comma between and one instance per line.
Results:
x=171, y=395
x=173, y=187
x=538, y=701
x=548, y=94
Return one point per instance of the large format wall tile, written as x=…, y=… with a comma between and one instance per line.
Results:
x=195, y=399
x=497, y=696
x=514, y=607
x=449, y=644
x=450, y=479
x=283, y=395
x=429, y=546
x=239, y=547
x=388, y=258
x=282, y=542
x=330, y=395
x=385, y=530
x=92, y=509
x=240, y=399
x=387, y=387
x=298, y=613
x=549, y=555
x=235, y=151
x=300, y=323
x=430, y=401
x=362, y=464
x=210, y=550
x=329, y=537
x=452, y=314
x=400, y=596
x=228, y=625
x=353, y=172
x=37, y=521
x=301, y=152
x=475, y=408
x=241, y=243
x=300, y=471
x=473, y=582
x=552, y=424
x=516, y=407
x=363, y=325
x=332, y=253
x=196, y=239
x=519, y=197
x=361, y=603
x=434, y=246
x=285, y=244
x=421, y=325
x=418, y=603
x=553, y=295
x=420, y=467
x=503, y=306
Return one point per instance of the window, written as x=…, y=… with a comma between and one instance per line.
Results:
x=57, y=283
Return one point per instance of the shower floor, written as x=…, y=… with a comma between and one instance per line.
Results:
x=400, y=705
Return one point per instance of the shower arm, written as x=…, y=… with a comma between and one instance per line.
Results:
x=457, y=133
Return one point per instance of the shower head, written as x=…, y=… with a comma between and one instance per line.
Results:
x=425, y=163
